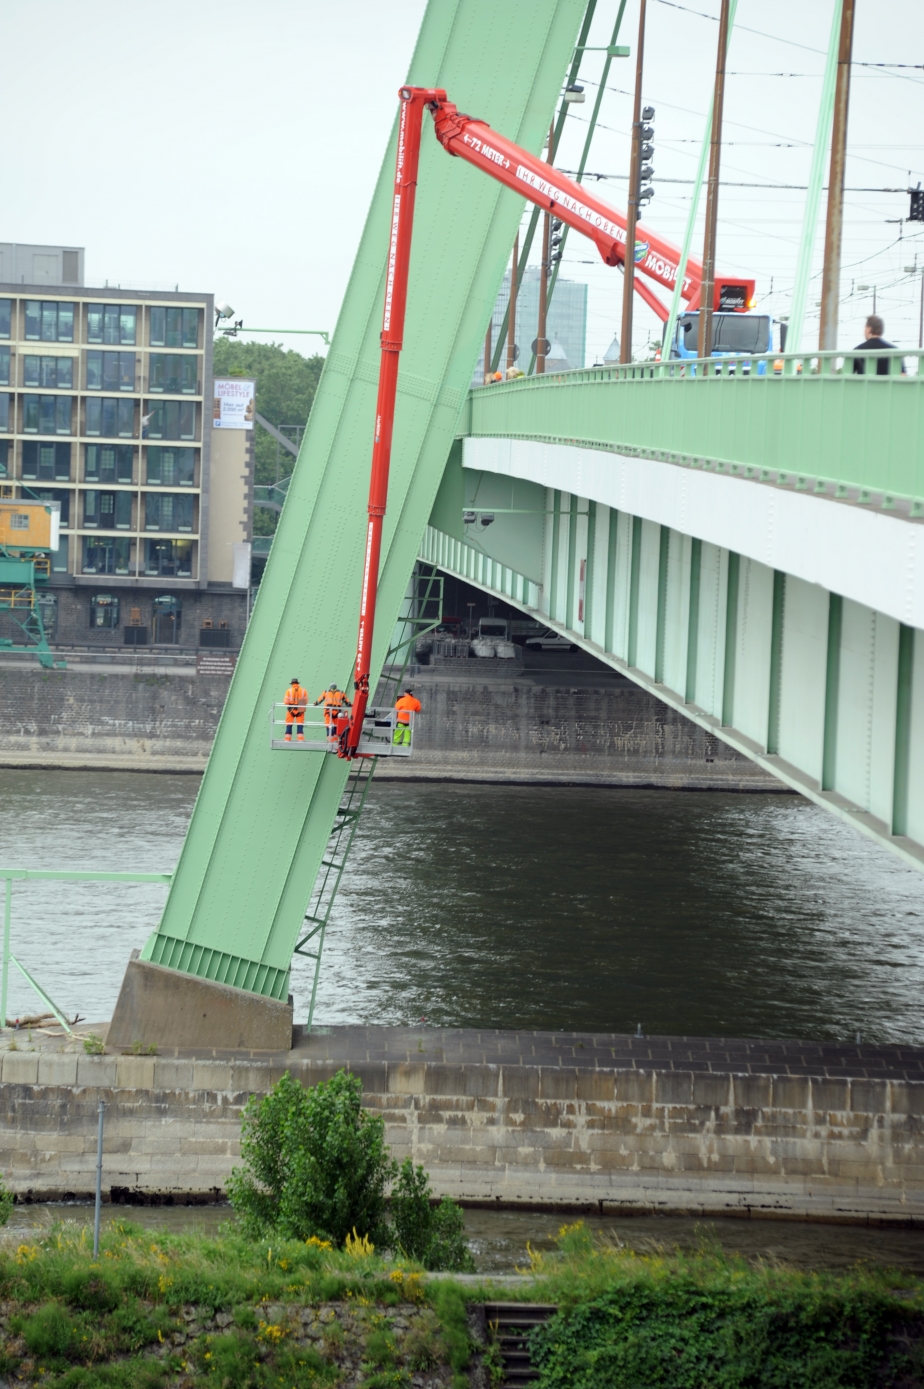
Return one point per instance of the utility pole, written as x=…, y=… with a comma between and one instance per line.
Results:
x=487, y=348
x=512, y=310
x=834, y=225
x=544, y=274
x=628, y=282
x=707, y=292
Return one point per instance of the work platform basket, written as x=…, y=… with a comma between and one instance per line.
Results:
x=376, y=740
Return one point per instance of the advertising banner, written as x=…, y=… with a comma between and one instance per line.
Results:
x=234, y=404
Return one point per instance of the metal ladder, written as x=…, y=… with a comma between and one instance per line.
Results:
x=428, y=589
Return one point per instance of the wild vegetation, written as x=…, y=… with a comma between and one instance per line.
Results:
x=684, y=1321
x=230, y=1312
x=173, y=1312
x=315, y=1163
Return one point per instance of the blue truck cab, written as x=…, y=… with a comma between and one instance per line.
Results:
x=733, y=335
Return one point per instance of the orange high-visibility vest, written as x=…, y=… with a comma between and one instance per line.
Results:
x=295, y=699
x=332, y=699
x=407, y=705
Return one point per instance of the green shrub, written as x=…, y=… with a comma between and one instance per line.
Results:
x=433, y=1235
x=686, y=1323
x=50, y=1332
x=91, y=1289
x=315, y=1163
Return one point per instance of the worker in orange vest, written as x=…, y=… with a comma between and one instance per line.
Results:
x=295, y=699
x=333, y=700
x=405, y=706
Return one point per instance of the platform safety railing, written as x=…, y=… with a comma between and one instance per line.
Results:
x=377, y=738
x=10, y=875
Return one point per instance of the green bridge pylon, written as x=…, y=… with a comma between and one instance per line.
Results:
x=262, y=819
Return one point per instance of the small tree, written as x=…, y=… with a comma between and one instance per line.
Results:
x=433, y=1235
x=315, y=1163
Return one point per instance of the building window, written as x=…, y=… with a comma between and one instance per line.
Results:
x=49, y=321
x=171, y=419
x=46, y=414
x=107, y=510
x=6, y=316
x=108, y=463
x=167, y=617
x=174, y=327
x=171, y=467
x=106, y=554
x=112, y=418
x=115, y=324
x=104, y=611
x=4, y=457
x=173, y=373
x=168, y=557
x=110, y=371
x=168, y=511
x=4, y=366
x=5, y=399
x=49, y=462
x=49, y=371
x=54, y=494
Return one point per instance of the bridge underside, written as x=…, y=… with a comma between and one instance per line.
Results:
x=626, y=557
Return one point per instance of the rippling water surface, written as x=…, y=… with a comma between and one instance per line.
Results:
x=703, y=913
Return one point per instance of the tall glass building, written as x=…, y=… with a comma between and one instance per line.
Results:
x=566, y=324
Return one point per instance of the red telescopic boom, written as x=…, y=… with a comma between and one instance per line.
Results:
x=536, y=181
x=413, y=101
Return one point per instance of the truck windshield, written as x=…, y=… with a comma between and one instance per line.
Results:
x=740, y=332
x=732, y=332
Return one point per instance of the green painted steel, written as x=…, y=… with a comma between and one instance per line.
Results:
x=825, y=693
x=815, y=427
x=262, y=819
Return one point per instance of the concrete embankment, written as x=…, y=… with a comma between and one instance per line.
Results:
x=568, y=721
x=604, y=1122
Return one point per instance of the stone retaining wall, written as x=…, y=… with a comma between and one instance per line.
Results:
x=625, y=1137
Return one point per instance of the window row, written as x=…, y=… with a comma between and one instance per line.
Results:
x=110, y=417
x=162, y=511
x=166, y=615
x=51, y=462
x=114, y=555
x=111, y=324
x=169, y=373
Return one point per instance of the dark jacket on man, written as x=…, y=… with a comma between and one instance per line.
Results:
x=872, y=345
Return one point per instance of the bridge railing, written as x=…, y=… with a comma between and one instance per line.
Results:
x=899, y=362
x=807, y=419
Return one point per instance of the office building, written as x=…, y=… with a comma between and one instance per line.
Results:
x=107, y=407
x=566, y=323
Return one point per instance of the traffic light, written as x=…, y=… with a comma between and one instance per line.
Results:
x=555, y=241
x=645, y=153
x=916, y=211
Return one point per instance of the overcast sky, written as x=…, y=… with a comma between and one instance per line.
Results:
x=230, y=147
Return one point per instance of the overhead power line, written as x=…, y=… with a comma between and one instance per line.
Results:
x=734, y=183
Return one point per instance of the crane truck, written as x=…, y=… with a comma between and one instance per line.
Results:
x=471, y=139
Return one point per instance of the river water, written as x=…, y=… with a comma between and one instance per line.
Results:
x=697, y=913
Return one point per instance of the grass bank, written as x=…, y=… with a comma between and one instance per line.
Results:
x=188, y=1310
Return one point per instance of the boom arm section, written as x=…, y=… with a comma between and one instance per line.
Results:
x=473, y=140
